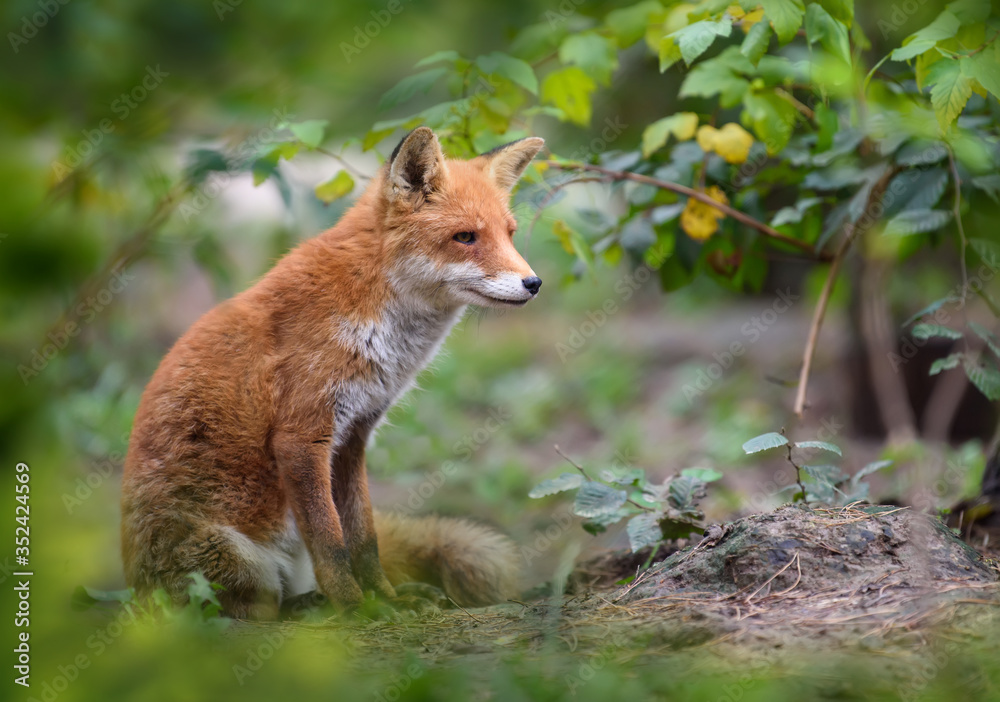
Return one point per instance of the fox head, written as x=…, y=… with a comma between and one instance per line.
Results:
x=449, y=226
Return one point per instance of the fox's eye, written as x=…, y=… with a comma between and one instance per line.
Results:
x=465, y=237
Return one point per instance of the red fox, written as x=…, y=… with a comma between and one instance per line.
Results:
x=247, y=456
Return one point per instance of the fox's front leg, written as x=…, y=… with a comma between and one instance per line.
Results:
x=304, y=466
x=350, y=494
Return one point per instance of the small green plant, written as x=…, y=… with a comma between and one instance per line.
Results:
x=656, y=512
x=824, y=483
x=202, y=609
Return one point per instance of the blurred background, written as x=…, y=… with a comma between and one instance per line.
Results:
x=111, y=115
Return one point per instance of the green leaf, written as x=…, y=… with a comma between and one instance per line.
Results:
x=596, y=499
x=695, y=38
x=706, y=475
x=513, y=69
x=682, y=125
x=824, y=445
x=989, y=184
x=826, y=474
x=566, y=481
x=970, y=11
x=831, y=34
x=685, y=491
x=719, y=76
x=410, y=86
x=930, y=309
x=756, y=41
x=764, y=442
x=946, y=363
x=85, y=598
x=987, y=250
x=644, y=530
x=337, y=187
x=570, y=89
x=670, y=52
x=984, y=67
x=872, y=467
x=637, y=235
x=950, y=90
x=629, y=23
x=922, y=189
x=448, y=55
x=595, y=54
x=987, y=336
x=985, y=377
x=790, y=215
x=945, y=26
x=916, y=222
x=928, y=331
x=786, y=15
x=771, y=117
x=842, y=10
x=574, y=243
x=309, y=132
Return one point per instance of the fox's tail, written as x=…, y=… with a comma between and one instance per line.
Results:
x=474, y=564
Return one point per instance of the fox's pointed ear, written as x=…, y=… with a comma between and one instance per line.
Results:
x=506, y=163
x=416, y=167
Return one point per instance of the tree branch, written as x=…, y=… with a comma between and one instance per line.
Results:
x=692, y=193
x=851, y=230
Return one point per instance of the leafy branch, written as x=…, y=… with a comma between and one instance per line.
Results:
x=687, y=192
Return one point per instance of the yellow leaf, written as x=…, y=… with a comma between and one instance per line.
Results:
x=700, y=220
x=733, y=143
x=751, y=18
x=735, y=11
x=564, y=235
x=677, y=18
x=337, y=187
x=707, y=134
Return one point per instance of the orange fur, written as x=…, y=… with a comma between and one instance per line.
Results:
x=246, y=460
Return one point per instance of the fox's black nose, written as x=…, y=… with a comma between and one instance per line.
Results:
x=532, y=283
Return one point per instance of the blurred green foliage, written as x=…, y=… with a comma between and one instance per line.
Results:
x=122, y=123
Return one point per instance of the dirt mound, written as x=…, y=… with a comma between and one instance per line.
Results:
x=817, y=550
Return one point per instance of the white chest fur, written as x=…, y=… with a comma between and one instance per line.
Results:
x=395, y=348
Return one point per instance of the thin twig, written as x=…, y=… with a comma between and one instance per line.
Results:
x=126, y=252
x=798, y=473
x=796, y=103
x=957, y=210
x=692, y=193
x=768, y=581
x=343, y=162
x=584, y=473
x=851, y=230
x=474, y=618
x=555, y=191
